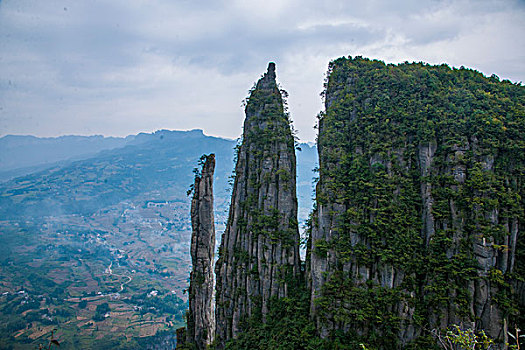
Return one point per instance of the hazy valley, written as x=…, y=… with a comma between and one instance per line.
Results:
x=98, y=247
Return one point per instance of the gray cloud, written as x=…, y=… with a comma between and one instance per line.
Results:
x=120, y=67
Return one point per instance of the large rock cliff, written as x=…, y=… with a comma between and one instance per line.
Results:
x=259, y=252
x=201, y=314
x=419, y=202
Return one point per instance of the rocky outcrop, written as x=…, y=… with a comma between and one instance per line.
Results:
x=418, y=218
x=418, y=202
x=481, y=228
x=201, y=314
x=259, y=252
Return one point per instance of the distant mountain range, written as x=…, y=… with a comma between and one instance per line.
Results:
x=82, y=174
x=20, y=155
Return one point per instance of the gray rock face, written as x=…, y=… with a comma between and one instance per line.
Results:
x=259, y=253
x=201, y=315
x=478, y=227
x=417, y=230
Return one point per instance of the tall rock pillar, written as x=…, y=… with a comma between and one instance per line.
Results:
x=259, y=253
x=201, y=316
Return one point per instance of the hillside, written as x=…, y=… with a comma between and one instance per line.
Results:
x=112, y=228
x=159, y=165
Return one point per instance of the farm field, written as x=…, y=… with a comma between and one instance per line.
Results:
x=98, y=287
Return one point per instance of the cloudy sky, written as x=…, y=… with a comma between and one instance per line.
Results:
x=119, y=67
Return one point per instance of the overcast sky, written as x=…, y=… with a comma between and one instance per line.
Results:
x=120, y=67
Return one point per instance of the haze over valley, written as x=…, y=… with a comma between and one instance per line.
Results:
x=98, y=220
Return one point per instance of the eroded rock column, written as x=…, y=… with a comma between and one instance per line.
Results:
x=201, y=315
x=259, y=253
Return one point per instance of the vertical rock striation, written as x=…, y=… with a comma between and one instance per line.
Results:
x=259, y=252
x=201, y=315
x=419, y=203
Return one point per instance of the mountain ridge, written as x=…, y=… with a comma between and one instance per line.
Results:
x=25, y=154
